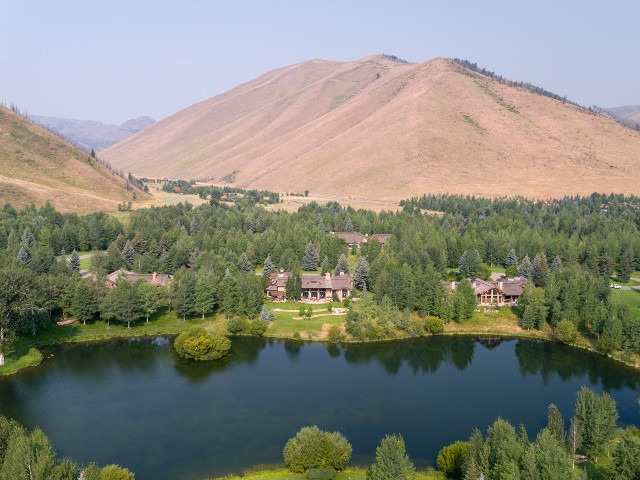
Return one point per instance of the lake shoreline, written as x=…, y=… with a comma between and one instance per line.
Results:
x=150, y=329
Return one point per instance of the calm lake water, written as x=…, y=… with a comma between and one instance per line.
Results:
x=134, y=403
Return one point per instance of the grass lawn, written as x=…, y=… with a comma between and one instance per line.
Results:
x=348, y=474
x=160, y=324
x=286, y=325
x=88, y=252
x=630, y=283
x=631, y=298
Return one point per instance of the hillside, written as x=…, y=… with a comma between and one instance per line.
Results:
x=37, y=166
x=629, y=114
x=380, y=129
x=91, y=134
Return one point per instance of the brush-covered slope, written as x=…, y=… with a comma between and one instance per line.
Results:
x=36, y=166
x=630, y=114
x=375, y=128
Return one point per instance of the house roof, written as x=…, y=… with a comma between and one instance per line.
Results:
x=334, y=282
x=350, y=237
x=382, y=237
x=158, y=279
x=278, y=279
x=511, y=286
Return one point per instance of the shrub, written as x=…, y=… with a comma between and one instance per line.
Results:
x=450, y=459
x=321, y=474
x=416, y=328
x=197, y=344
x=236, y=325
x=296, y=335
x=434, y=325
x=565, y=331
x=346, y=302
x=256, y=328
x=335, y=334
x=511, y=271
x=313, y=448
x=392, y=461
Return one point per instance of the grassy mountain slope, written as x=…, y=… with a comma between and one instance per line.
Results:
x=375, y=128
x=37, y=166
x=630, y=113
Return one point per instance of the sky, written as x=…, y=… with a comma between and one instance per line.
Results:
x=114, y=60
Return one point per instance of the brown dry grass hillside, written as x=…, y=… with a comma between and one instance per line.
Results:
x=379, y=129
x=631, y=112
x=36, y=166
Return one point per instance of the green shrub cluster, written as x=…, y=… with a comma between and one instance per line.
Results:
x=314, y=448
x=321, y=474
x=242, y=326
x=197, y=344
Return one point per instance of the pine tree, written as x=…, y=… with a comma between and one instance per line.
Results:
x=205, y=295
x=129, y=254
x=24, y=256
x=268, y=267
x=324, y=266
x=348, y=226
x=464, y=300
x=310, y=258
x=84, y=305
x=194, y=226
x=596, y=416
x=511, y=259
x=342, y=265
x=245, y=263
x=470, y=264
x=539, y=270
x=27, y=239
x=446, y=225
x=74, y=261
x=605, y=266
x=392, y=461
x=184, y=302
x=557, y=264
x=294, y=287
x=264, y=314
x=149, y=298
x=625, y=266
x=139, y=244
x=361, y=273
x=555, y=424
x=525, y=267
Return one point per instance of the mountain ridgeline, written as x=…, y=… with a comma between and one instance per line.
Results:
x=386, y=129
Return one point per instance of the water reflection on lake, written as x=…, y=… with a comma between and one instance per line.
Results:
x=135, y=403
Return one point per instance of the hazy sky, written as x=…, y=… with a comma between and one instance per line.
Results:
x=114, y=60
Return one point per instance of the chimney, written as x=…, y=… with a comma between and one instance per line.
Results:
x=341, y=272
x=500, y=282
x=327, y=275
x=474, y=284
x=154, y=276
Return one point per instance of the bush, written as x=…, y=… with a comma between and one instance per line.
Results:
x=565, y=331
x=434, y=325
x=197, y=344
x=346, y=302
x=392, y=461
x=511, y=271
x=236, y=325
x=321, y=474
x=313, y=448
x=450, y=459
x=256, y=328
x=335, y=334
x=416, y=328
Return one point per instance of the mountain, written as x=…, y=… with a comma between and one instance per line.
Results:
x=381, y=129
x=37, y=166
x=90, y=134
x=629, y=114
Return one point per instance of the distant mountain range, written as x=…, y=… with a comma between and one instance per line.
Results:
x=629, y=115
x=378, y=128
x=38, y=166
x=90, y=134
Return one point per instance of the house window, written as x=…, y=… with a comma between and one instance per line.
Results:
x=345, y=293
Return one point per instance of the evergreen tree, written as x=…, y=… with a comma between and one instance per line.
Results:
x=184, y=302
x=294, y=287
x=464, y=300
x=310, y=258
x=127, y=305
x=264, y=314
x=596, y=416
x=605, y=266
x=194, y=226
x=129, y=254
x=525, y=268
x=27, y=239
x=552, y=461
x=24, y=256
x=540, y=270
x=392, y=461
x=625, y=461
x=205, y=295
x=149, y=298
x=511, y=259
x=245, y=263
x=342, y=265
x=470, y=264
x=625, y=266
x=324, y=266
x=361, y=273
x=268, y=267
x=74, y=261
x=84, y=305
x=139, y=244
x=555, y=424
x=557, y=264
x=348, y=226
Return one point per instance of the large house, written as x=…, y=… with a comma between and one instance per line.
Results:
x=497, y=293
x=355, y=238
x=315, y=287
x=157, y=279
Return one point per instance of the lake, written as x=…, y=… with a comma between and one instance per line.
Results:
x=135, y=403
